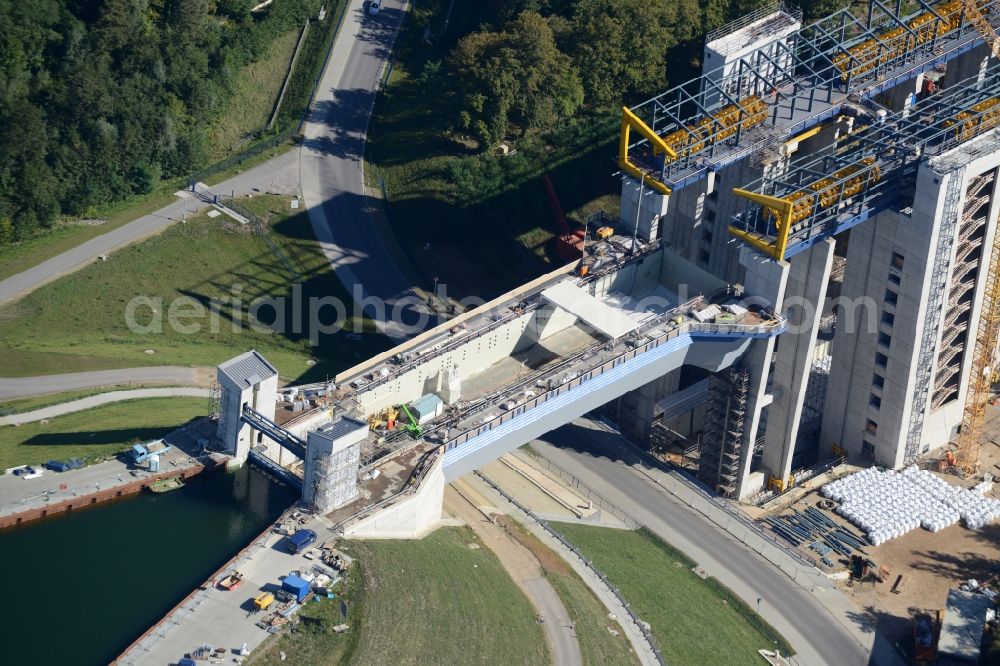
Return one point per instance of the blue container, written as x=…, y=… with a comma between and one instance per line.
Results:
x=297, y=586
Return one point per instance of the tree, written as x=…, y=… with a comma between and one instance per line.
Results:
x=621, y=47
x=518, y=76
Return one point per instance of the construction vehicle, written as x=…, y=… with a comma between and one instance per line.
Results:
x=384, y=419
x=412, y=426
x=140, y=453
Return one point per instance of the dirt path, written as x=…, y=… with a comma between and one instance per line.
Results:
x=526, y=572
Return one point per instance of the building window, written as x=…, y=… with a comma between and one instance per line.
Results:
x=874, y=401
x=888, y=318
x=867, y=449
x=881, y=360
x=704, y=257
x=891, y=297
x=893, y=279
x=897, y=261
x=884, y=339
x=871, y=427
x=878, y=381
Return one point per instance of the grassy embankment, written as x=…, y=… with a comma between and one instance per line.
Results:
x=79, y=322
x=598, y=645
x=480, y=223
x=95, y=434
x=247, y=113
x=432, y=601
x=693, y=621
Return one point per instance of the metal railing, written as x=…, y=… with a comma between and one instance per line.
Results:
x=410, y=487
x=639, y=623
x=689, y=327
x=576, y=484
x=646, y=461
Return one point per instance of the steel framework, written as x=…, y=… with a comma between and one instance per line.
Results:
x=790, y=83
x=872, y=168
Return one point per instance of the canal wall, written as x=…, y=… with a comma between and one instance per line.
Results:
x=144, y=643
x=106, y=495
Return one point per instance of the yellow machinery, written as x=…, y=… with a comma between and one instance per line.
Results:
x=980, y=117
x=605, y=232
x=685, y=141
x=897, y=41
x=984, y=363
x=779, y=485
x=795, y=207
x=383, y=419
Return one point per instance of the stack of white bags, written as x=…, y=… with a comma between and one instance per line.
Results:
x=889, y=504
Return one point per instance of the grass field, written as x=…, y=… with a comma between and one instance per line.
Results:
x=598, y=646
x=97, y=433
x=480, y=223
x=436, y=601
x=694, y=621
x=214, y=267
x=432, y=601
x=254, y=95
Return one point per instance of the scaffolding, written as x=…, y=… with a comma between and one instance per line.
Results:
x=964, y=271
x=334, y=476
x=792, y=83
x=984, y=366
x=872, y=168
x=214, y=401
x=722, y=445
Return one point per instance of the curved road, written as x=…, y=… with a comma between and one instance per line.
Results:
x=818, y=635
x=101, y=399
x=332, y=175
x=21, y=387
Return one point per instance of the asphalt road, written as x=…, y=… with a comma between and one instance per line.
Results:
x=277, y=174
x=101, y=399
x=817, y=635
x=20, y=387
x=332, y=178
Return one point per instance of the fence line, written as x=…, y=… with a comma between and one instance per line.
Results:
x=579, y=485
x=288, y=75
x=724, y=513
x=590, y=565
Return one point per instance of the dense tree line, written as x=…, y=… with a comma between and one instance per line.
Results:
x=102, y=99
x=541, y=61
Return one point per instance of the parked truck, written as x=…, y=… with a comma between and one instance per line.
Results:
x=140, y=453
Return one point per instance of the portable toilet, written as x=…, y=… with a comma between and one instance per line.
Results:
x=154, y=463
x=297, y=586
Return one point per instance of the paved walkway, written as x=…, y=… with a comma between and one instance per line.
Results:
x=279, y=175
x=18, y=494
x=603, y=593
x=22, y=387
x=101, y=399
x=526, y=572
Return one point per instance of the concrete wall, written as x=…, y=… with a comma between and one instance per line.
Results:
x=237, y=437
x=474, y=356
x=709, y=354
x=804, y=296
x=410, y=518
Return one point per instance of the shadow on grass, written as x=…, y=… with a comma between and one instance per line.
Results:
x=98, y=437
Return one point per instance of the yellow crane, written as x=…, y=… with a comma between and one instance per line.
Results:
x=977, y=19
x=984, y=360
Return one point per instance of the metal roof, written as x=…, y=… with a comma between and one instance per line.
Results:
x=247, y=369
x=962, y=629
x=339, y=427
x=592, y=311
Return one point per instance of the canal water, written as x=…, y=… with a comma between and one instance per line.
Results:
x=78, y=589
